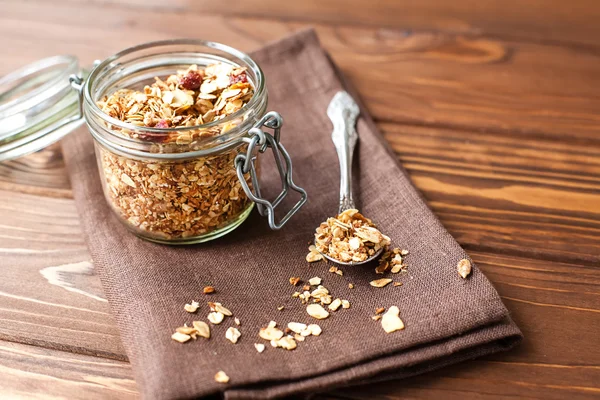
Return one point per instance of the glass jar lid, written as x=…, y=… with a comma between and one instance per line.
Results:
x=38, y=105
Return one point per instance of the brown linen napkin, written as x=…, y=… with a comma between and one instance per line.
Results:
x=448, y=319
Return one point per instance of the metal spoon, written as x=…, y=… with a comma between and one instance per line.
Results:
x=343, y=112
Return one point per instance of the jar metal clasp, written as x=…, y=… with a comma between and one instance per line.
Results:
x=244, y=164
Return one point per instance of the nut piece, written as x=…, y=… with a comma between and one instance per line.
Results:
x=215, y=317
x=390, y=320
x=316, y=281
x=464, y=268
x=232, y=334
x=208, y=290
x=221, y=377
x=345, y=304
x=337, y=303
x=180, y=337
x=191, y=308
x=294, y=281
x=259, y=347
x=380, y=282
x=317, y=311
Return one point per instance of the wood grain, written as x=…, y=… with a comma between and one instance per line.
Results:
x=32, y=372
x=550, y=20
x=492, y=109
x=436, y=78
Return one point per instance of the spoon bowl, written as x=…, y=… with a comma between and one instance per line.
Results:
x=352, y=263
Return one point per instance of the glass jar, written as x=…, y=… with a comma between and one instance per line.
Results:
x=199, y=184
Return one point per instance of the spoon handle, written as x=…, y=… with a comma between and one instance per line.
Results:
x=343, y=112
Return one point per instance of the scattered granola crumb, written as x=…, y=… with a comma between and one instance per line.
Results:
x=306, y=287
x=464, y=268
x=215, y=317
x=191, y=308
x=294, y=281
x=296, y=327
x=232, y=334
x=335, y=304
x=280, y=308
x=390, y=320
x=339, y=272
x=316, y=281
x=345, y=304
x=314, y=329
x=376, y=317
x=378, y=283
x=404, y=252
x=351, y=285
x=237, y=321
x=208, y=290
x=286, y=342
x=379, y=310
x=202, y=328
x=397, y=283
x=313, y=255
x=270, y=332
x=180, y=337
x=218, y=307
x=259, y=347
x=317, y=311
x=221, y=377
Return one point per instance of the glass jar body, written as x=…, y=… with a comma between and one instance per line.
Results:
x=180, y=185
x=175, y=202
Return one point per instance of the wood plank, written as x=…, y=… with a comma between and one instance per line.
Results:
x=467, y=84
x=550, y=20
x=31, y=372
x=488, y=379
x=427, y=78
x=42, y=173
x=537, y=292
x=540, y=199
x=61, y=306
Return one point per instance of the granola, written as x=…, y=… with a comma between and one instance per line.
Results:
x=178, y=200
x=349, y=237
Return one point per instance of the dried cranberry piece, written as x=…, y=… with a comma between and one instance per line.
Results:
x=191, y=81
x=242, y=77
x=162, y=124
x=156, y=137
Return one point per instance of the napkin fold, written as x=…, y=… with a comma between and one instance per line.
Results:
x=448, y=319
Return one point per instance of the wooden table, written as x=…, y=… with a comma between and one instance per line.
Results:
x=492, y=106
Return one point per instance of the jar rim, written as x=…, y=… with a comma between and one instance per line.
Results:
x=259, y=89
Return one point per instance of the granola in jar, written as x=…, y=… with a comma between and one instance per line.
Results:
x=175, y=200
